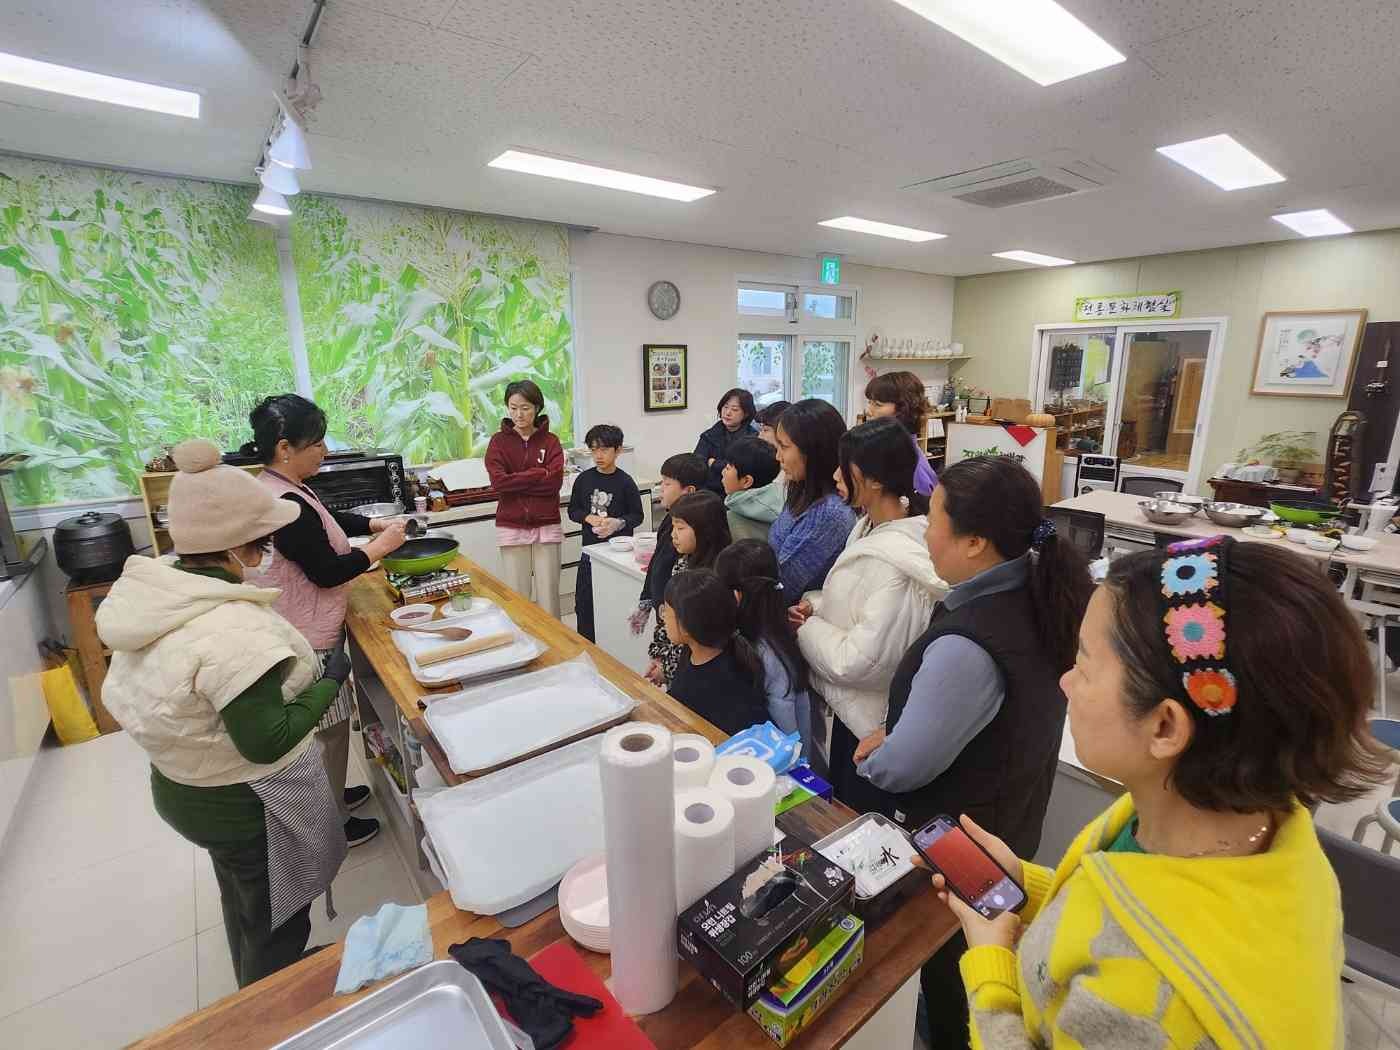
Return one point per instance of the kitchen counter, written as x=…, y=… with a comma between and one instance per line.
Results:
x=617, y=584
x=294, y=998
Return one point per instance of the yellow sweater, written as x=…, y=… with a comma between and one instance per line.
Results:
x=1128, y=951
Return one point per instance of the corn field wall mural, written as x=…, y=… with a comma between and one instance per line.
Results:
x=137, y=311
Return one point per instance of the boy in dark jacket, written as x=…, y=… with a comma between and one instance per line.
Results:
x=605, y=501
x=683, y=473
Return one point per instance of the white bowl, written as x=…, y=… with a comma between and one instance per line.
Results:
x=1321, y=543
x=620, y=543
x=1359, y=543
x=413, y=615
x=1298, y=535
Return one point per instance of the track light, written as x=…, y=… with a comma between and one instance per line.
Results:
x=289, y=147
x=283, y=180
x=270, y=202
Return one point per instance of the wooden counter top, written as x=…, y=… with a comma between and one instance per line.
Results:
x=698, y=1019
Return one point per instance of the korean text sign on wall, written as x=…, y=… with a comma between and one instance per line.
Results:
x=1146, y=306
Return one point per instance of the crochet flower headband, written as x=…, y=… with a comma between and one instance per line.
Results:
x=1194, y=605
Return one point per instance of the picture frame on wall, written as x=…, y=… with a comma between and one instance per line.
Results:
x=665, y=379
x=1307, y=353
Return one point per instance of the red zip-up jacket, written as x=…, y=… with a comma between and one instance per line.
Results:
x=527, y=475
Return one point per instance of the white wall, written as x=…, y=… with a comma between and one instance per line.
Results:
x=611, y=278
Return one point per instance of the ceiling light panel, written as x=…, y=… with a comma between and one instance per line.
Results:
x=1223, y=161
x=881, y=229
x=573, y=171
x=98, y=87
x=1034, y=257
x=1318, y=222
x=1037, y=38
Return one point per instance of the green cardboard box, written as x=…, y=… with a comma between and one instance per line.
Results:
x=809, y=987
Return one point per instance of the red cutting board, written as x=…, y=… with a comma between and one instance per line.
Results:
x=609, y=1028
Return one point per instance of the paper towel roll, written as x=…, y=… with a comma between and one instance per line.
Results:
x=639, y=837
x=695, y=759
x=704, y=843
x=748, y=783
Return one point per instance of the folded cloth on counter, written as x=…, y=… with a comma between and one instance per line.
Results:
x=390, y=941
x=545, y=1011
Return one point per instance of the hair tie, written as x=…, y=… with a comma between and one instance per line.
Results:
x=777, y=584
x=1194, y=605
x=1042, y=532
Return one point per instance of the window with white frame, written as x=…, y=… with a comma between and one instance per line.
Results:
x=795, y=342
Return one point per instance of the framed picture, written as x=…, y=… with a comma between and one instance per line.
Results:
x=665, y=382
x=1307, y=353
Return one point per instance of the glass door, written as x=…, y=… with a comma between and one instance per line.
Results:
x=1074, y=383
x=1162, y=399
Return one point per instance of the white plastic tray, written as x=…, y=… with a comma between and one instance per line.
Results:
x=490, y=620
x=489, y=726
x=508, y=837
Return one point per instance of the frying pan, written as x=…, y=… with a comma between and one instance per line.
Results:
x=417, y=557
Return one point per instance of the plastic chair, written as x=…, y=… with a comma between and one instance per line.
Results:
x=1137, y=485
x=1387, y=731
x=1083, y=528
x=1370, y=883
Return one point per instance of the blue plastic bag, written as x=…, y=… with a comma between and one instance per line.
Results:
x=767, y=743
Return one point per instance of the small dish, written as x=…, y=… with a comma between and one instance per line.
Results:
x=413, y=615
x=1321, y=543
x=1360, y=544
x=1298, y=535
x=1262, y=532
x=620, y=543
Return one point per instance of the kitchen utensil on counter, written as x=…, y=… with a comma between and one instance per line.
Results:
x=92, y=547
x=1299, y=536
x=1263, y=532
x=418, y=525
x=1232, y=515
x=583, y=904
x=1305, y=512
x=377, y=510
x=453, y=650
x=1180, y=497
x=1360, y=544
x=485, y=727
x=1317, y=542
x=621, y=543
x=1165, y=512
x=420, y=556
x=450, y=634
x=505, y=838
x=490, y=620
x=408, y=615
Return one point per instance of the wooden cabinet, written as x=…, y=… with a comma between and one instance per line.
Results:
x=1257, y=494
x=155, y=493
x=1077, y=421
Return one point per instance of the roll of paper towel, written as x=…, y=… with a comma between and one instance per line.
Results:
x=695, y=760
x=704, y=843
x=749, y=785
x=639, y=839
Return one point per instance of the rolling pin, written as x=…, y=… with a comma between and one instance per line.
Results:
x=452, y=650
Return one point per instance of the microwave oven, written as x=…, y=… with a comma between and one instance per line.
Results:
x=351, y=478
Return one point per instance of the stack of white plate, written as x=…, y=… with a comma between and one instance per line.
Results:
x=583, y=904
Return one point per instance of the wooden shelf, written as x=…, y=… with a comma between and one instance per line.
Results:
x=155, y=491
x=922, y=360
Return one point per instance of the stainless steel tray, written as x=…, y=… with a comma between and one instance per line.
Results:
x=439, y=1006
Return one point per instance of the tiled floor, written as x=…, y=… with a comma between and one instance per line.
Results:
x=111, y=922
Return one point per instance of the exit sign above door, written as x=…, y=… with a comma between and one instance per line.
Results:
x=831, y=269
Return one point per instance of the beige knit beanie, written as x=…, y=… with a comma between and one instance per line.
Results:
x=215, y=507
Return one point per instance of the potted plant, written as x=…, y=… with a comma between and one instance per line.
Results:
x=1288, y=450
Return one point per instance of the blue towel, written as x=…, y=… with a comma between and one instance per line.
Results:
x=392, y=940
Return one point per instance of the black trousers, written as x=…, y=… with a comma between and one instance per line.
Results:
x=945, y=997
x=583, y=598
x=246, y=897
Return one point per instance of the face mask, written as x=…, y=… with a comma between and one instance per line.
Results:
x=259, y=572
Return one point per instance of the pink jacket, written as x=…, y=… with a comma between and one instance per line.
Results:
x=317, y=612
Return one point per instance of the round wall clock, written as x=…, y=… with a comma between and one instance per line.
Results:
x=664, y=298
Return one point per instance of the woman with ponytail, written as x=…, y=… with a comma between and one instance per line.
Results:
x=878, y=596
x=749, y=568
x=719, y=674
x=975, y=708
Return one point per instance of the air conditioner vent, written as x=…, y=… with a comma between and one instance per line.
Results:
x=1023, y=181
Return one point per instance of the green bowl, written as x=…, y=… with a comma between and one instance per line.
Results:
x=1305, y=512
x=417, y=557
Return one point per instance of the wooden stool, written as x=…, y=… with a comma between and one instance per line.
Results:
x=82, y=602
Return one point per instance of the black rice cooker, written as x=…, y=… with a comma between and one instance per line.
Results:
x=92, y=547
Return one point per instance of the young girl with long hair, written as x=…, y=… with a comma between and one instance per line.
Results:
x=699, y=531
x=719, y=673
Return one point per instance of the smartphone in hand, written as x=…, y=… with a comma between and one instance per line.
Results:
x=969, y=870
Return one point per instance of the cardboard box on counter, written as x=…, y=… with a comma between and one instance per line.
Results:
x=758, y=923
x=813, y=984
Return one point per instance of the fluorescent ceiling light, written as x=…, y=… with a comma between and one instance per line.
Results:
x=289, y=147
x=283, y=180
x=270, y=202
x=1037, y=38
x=1223, y=161
x=573, y=171
x=79, y=83
x=1034, y=257
x=1319, y=222
x=881, y=229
